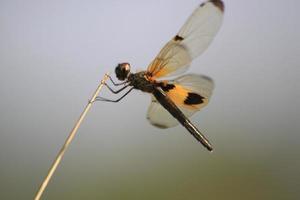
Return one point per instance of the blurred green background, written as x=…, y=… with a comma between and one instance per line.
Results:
x=52, y=55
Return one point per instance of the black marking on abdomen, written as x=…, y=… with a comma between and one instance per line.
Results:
x=193, y=99
x=167, y=87
x=178, y=38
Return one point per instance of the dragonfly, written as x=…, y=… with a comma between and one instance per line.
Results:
x=175, y=101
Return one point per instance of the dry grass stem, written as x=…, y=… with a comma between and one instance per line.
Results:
x=69, y=140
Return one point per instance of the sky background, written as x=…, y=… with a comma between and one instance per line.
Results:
x=54, y=53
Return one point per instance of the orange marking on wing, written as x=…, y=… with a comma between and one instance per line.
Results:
x=179, y=94
x=162, y=72
x=158, y=68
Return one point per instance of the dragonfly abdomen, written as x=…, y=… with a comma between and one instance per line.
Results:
x=169, y=105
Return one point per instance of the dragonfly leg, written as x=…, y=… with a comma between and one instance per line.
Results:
x=115, y=91
x=116, y=84
x=114, y=101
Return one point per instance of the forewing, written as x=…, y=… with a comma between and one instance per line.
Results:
x=173, y=57
x=190, y=93
x=192, y=39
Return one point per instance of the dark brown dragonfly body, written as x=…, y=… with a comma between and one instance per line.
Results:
x=142, y=82
x=174, y=101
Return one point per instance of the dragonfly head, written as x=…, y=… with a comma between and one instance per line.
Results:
x=122, y=71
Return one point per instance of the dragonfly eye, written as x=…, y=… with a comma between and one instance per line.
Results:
x=122, y=71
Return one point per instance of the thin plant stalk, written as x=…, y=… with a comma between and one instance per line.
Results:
x=69, y=140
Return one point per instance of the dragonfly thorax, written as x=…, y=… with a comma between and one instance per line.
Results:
x=141, y=82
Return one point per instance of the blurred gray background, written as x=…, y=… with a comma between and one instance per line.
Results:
x=53, y=54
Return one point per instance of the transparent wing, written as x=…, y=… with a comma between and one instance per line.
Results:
x=161, y=118
x=190, y=93
x=192, y=39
